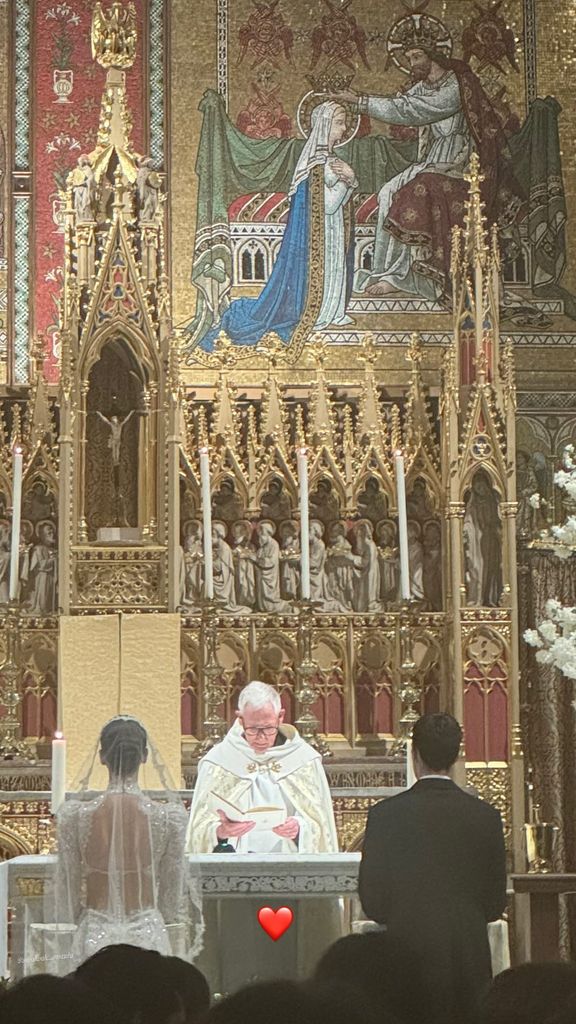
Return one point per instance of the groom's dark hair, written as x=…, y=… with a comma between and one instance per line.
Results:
x=437, y=739
x=123, y=745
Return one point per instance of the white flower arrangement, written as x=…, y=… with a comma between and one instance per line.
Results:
x=555, y=636
x=535, y=500
x=566, y=536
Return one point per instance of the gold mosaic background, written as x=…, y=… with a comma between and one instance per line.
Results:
x=193, y=69
x=556, y=49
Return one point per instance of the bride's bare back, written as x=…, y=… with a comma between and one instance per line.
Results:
x=120, y=835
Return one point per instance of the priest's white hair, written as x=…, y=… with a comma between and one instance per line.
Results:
x=259, y=695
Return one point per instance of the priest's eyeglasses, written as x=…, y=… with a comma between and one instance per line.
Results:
x=269, y=731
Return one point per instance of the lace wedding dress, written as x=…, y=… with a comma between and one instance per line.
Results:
x=121, y=877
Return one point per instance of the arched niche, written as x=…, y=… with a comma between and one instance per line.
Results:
x=117, y=384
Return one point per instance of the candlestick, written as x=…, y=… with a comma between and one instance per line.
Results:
x=410, y=773
x=405, y=590
x=302, y=462
x=16, y=514
x=58, y=771
x=207, y=524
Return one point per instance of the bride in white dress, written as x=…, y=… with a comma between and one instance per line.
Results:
x=121, y=875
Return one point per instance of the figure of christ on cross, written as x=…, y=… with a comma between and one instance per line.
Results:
x=116, y=426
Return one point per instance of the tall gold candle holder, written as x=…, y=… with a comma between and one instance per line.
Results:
x=410, y=689
x=12, y=746
x=306, y=694
x=214, y=691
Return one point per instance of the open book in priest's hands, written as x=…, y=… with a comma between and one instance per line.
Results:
x=265, y=817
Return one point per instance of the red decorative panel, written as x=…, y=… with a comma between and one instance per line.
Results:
x=67, y=86
x=48, y=712
x=497, y=724
x=474, y=722
x=329, y=709
x=189, y=706
x=486, y=702
x=374, y=704
x=288, y=703
x=39, y=707
x=431, y=695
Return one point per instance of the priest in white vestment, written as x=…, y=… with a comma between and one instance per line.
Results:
x=263, y=762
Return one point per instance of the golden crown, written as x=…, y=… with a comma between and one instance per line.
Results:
x=330, y=81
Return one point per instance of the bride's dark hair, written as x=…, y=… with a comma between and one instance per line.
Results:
x=123, y=746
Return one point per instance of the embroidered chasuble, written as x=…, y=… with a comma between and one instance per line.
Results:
x=289, y=775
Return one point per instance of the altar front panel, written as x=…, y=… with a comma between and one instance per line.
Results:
x=299, y=881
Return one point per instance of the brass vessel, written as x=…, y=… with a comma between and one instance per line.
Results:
x=540, y=840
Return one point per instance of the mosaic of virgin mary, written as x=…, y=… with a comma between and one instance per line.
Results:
x=311, y=282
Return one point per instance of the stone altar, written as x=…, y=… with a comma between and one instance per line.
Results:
x=236, y=949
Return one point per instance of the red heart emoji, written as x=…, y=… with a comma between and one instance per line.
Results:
x=275, y=922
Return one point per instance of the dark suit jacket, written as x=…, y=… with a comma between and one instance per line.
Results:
x=434, y=872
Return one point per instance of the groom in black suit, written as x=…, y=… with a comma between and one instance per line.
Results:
x=433, y=872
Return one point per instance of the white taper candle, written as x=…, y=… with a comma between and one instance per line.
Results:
x=16, y=516
x=410, y=774
x=58, y=771
x=207, y=523
x=302, y=461
x=402, y=526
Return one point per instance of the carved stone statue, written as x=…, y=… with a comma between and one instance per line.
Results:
x=418, y=504
x=4, y=563
x=367, y=588
x=148, y=185
x=223, y=571
x=372, y=502
x=223, y=567
x=267, y=563
x=226, y=502
x=324, y=503
x=192, y=578
x=83, y=183
x=389, y=561
x=243, y=564
x=432, y=572
x=113, y=35
x=290, y=560
x=340, y=570
x=115, y=440
x=43, y=571
x=317, y=564
x=482, y=544
x=415, y=560
x=275, y=503
x=24, y=552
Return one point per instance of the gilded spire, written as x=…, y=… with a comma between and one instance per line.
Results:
x=371, y=424
x=475, y=238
